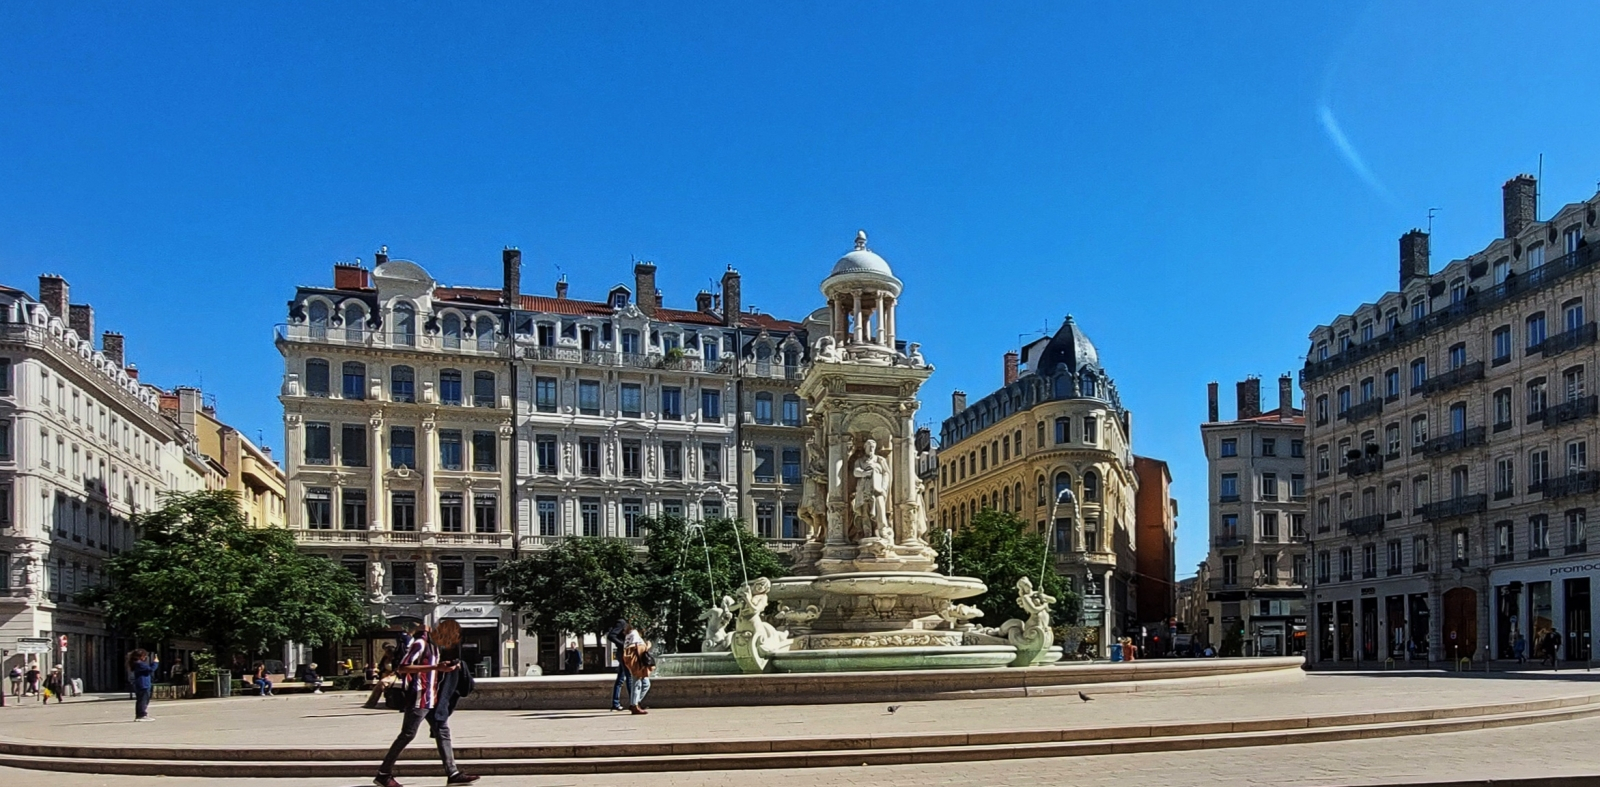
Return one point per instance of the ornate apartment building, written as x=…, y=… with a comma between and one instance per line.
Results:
x=434, y=432
x=1057, y=424
x=1255, y=592
x=1449, y=427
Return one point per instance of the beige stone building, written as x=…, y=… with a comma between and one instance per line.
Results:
x=1255, y=595
x=1449, y=428
x=231, y=461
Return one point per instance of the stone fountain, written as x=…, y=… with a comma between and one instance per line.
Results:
x=864, y=594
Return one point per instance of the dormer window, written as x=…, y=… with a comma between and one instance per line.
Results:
x=1458, y=290
x=1088, y=387
x=619, y=299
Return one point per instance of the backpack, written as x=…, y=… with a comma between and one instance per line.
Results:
x=465, y=683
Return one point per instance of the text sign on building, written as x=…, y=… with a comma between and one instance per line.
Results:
x=1094, y=610
x=33, y=644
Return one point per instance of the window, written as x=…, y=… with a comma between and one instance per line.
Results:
x=1505, y=477
x=483, y=569
x=483, y=452
x=1539, y=534
x=319, y=444
x=354, y=504
x=1504, y=539
x=402, y=384
x=1502, y=268
x=319, y=508
x=1458, y=291
x=544, y=394
x=403, y=511
x=1063, y=430
x=764, y=470
x=452, y=577
x=672, y=459
x=1346, y=564
x=1537, y=399
x=632, y=459
x=791, y=521
x=484, y=518
x=765, y=527
x=1322, y=409
x=544, y=449
x=1577, y=456
x=1344, y=400
x=632, y=400
x=632, y=512
x=1038, y=438
x=483, y=389
x=1419, y=374
x=1538, y=468
x=791, y=410
x=1091, y=430
x=1419, y=308
x=710, y=404
x=672, y=404
x=1323, y=566
x=545, y=508
x=403, y=578
x=1369, y=560
x=1391, y=439
x=5, y=378
x=763, y=408
x=1323, y=466
x=791, y=466
x=1502, y=408
x=403, y=447
x=589, y=513
x=1298, y=567
x=1501, y=339
x=589, y=397
x=1367, y=390
x=1460, y=548
x=1458, y=418
x=353, y=445
x=1091, y=487
x=1230, y=569
x=1269, y=446
x=1366, y=330
x=710, y=462
x=450, y=449
x=452, y=332
x=1458, y=483
x=1297, y=486
x=1229, y=447
x=589, y=455
x=1536, y=256
x=1269, y=526
x=1458, y=356
x=710, y=349
x=1535, y=331
x=1229, y=488
x=1572, y=237
x=316, y=377
x=1297, y=449
x=1572, y=384
x=1572, y=314
x=1421, y=494
x=485, y=332
x=451, y=515
x=1269, y=486
x=1396, y=557
x=1419, y=431
x=318, y=319
x=355, y=380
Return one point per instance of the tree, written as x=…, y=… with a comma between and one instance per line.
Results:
x=999, y=548
x=580, y=584
x=200, y=571
x=690, y=566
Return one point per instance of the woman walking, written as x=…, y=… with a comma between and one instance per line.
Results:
x=640, y=663
x=141, y=667
x=54, y=686
x=430, y=681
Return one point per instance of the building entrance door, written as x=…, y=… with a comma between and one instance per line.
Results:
x=1508, y=621
x=1345, y=611
x=1369, y=629
x=1324, y=624
x=1419, y=620
x=1460, y=630
x=1579, y=645
x=1394, y=614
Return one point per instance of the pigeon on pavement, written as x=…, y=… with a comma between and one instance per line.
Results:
x=893, y=708
x=1084, y=697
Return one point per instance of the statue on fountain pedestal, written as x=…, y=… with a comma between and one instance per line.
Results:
x=717, y=619
x=871, y=505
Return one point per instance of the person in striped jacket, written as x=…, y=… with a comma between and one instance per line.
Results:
x=429, y=671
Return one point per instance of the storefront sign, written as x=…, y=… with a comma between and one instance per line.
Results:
x=33, y=644
x=1576, y=568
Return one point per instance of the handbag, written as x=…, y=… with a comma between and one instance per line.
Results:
x=465, y=683
x=395, y=698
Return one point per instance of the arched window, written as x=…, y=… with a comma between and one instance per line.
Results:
x=763, y=351
x=450, y=386
x=983, y=502
x=452, y=332
x=791, y=359
x=1063, y=385
x=1088, y=386
x=355, y=380
x=319, y=320
x=355, y=319
x=485, y=331
x=1063, y=483
x=405, y=324
x=1019, y=496
x=402, y=384
x=1091, y=487
x=316, y=377
x=483, y=389
x=1041, y=491
x=763, y=408
x=1006, y=500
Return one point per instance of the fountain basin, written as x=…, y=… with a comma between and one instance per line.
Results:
x=872, y=659
x=676, y=664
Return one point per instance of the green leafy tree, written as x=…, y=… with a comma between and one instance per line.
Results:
x=999, y=548
x=200, y=571
x=580, y=585
x=690, y=566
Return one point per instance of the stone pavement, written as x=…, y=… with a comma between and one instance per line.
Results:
x=1565, y=748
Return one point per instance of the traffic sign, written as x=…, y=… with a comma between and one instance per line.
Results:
x=37, y=645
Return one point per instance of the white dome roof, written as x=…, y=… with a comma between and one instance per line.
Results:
x=862, y=261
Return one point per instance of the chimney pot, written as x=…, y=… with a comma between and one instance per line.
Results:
x=511, y=285
x=1285, y=397
x=1520, y=196
x=1413, y=257
x=732, y=301
x=702, y=302
x=561, y=287
x=1211, y=398
x=350, y=276
x=53, y=294
x=1011, y=367
x=81, y=319
x=380, y=256
x=644, y=288
x=1249, y=392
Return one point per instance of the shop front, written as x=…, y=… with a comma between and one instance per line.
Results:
x=480, y=634
x=1531, y=601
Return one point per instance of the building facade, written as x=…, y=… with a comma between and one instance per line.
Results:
x=1255, y=593
x=82, y=450
x=1057, y=424
x=231, y=461
x=1450, y=423
x=1155, y=541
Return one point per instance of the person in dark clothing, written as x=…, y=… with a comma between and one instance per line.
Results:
x=1551, y=646
x=618, y=637
x=141, y=667
x=55, y=686
x=431, y=682
x=31, y=679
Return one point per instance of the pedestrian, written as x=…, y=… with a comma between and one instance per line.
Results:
x=141, y=667
x=618, y=637
x=16, y=681
x=1550, y=646
x=430, y=681
x=30, y=679
x=640, y=662
x=54, y=686
x=263, y=686
x=1519, y=648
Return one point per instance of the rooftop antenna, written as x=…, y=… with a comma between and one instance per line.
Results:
x=1538, y=187
x=1431, y=211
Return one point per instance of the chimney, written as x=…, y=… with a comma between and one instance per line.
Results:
x=53, y=294
x=731, y=302
x=1011, y=367
x=511, y=286
x=1211, y=403
x=561, y=288
x=1521, y=198
x=702, y=302
x=350, y=276
x=188, y=405
x=111, y=347
x=958, y=402
x=1285, y=397
x=81, y=320
x=1249, y=398
x=644, y=288
x=1413, y=257
x=661, y=300
x=132, y=370
x=380, y=256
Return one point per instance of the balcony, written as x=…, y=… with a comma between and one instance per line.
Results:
x=1370, y=463
x=1476, y=303
x=1455, y=378
x=1575, y=410
x=401, y=537
x=1538, y=552
x=346, y=336
x=1503, y=557
x=682, y=363
x=1225, y=542
x=1363, y=525
x=1451, y=443
x=1582, y=336
x=1419, y=568
x=1579, y=483
x=1578, y=548
x=1456, y=507
x=1363, y=411
x=1393, y=571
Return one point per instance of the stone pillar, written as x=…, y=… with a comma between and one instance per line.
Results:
x=425, y=454
x=888, y=321
x=294, y=439
x=838, y=453
x=857, y=328
x=903, y=469
x=377, y=462
x=506, y=512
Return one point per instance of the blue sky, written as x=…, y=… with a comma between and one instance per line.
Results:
x=1197, y=186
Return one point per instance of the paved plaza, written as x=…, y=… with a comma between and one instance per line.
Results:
x=1561, y=748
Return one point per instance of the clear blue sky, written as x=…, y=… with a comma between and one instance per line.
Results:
x=1199, y=186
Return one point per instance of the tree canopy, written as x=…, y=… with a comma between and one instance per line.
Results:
x=999, y=548
x=580, y=584
x=200, y=571
x=690, y=566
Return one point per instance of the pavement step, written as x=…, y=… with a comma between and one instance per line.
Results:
x=1305, y=733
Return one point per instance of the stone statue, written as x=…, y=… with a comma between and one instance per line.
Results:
x=871, y=505
x=826, y=351
x=1032, y=638
x=754, y=639
x=430, y=586
x=717, y=618
x=33, y=578
x=918, y=526
x=914, y=355
x=959, y=615
x=375, y=582
x=797, y=618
